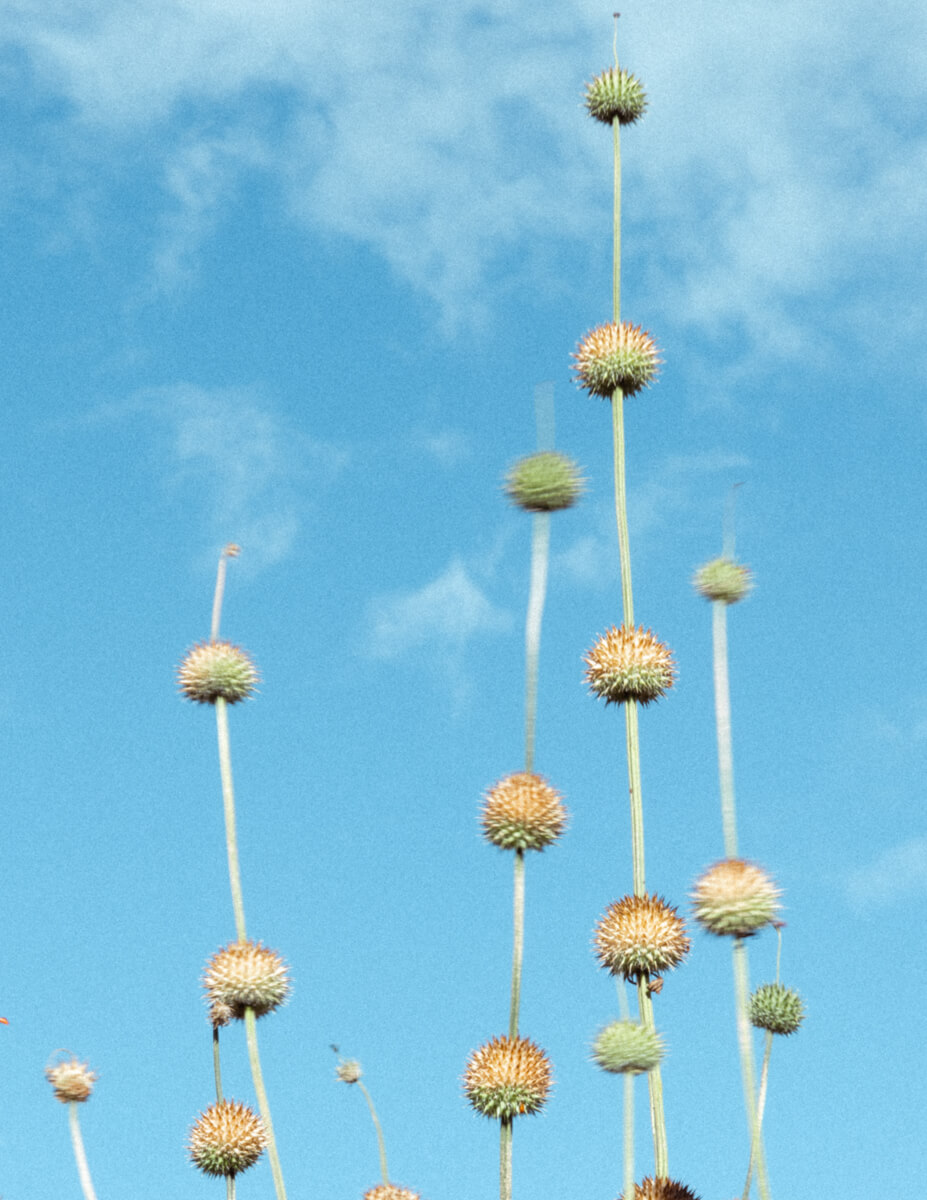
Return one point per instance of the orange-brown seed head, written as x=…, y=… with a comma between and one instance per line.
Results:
x=508, y=1077
x=629, y=664
x=640, y=935
x=523, y=812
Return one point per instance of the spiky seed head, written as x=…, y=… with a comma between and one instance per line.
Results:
x=389, y=1191
x=348, y=1070
x=616, y=356
x=628, y=1048
x=508, y=1077
x=217, y=670
x=723, y=579
x=776, y=1008
x=246, y=975
x=71, y=1079
x=544, y=482
x=735, y=898
x=219, y=1014
x=640, y=935
x=661, y=1189
x=629, y=664
x=523, y=812
x=616, y=93
x=227, y=1138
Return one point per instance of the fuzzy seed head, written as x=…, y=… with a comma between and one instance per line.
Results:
x=616, y=356
x=723, y=579
x=523, y=812
x=389, y=1191
x=628, y=1048
x=544, y=482
x=661, y=1189
x=227, y=1138
x=640, y=936
x=776, y=1008
x=348, y=1070
x=246, y=975
x=217, y=670
x=629, y=664
x=735, y=898
x=71, y=1079
x=508, y=1077
x=616, y=93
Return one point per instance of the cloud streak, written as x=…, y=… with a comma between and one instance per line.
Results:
x=899, y=874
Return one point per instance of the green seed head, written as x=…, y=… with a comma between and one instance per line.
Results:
x=217, y=670
x=616, y=356
x=776, y=1008
x=723, y=579
x=544, y=482
x=735, y=898
x=626, y=1047
x=616, y=93
x=227, y=1138
x=508, y=1077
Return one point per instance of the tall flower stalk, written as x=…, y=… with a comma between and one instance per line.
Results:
x=73, y=1083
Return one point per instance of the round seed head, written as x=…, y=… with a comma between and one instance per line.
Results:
x=246, y=975
x=616, y=93
x=523, y=812
x=389, y=1191
x=735, y=898
x=640, y=935
x=616, y=356
x=544, y=482
x=348, y=1070
x=723, y=579
x=628, y=1048
x=227, y=1138
x=629, y=664
x=71, y=1079
x=217, y=670
x=776, y=1008
x=661, y=1189
x=508, y=1077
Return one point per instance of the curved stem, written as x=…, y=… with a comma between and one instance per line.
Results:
x=760, y=1108
x=258, y=1079
x=228, y=803
x=80, y=1157
x=505, y=1159
x=518, y=938
x=540, y=554
x=384, y=1169
x=742, y=994
x=723, y=722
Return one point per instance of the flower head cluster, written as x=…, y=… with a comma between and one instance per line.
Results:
x=628, y=1048
x=640, y=935
x=629, y=664
x=246, y=975
x=616, y=93
x=71, y=1080
x=776, y=1008
x=508, y=1077
x=723, y=579
x=616, y=356
x=544, y=482
x=523, y=812
x=661, y=1189
x=735, y=898
x=227, y=1138
x=217, y=670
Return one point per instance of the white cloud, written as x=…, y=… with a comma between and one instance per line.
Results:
x=899, y=873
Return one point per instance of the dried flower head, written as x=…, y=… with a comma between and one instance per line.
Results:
x=776, y=1008
x=507, y=1078
x=227, y=1138
x=71, y=1079
x=629, y=664
x=723, y=579
x=348, y=1070
x=640, y=935
x=217, y=670
x=389, y=1191
x=246, y=975
x=628, y=1048
x=523, y=812
x=616, y=356
x=661, y=1189
x=735, y=898
x=616, y=93
x=544, y=482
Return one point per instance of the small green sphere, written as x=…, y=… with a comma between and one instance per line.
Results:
x=776, y=1008
x=616, y=93
x=544, y=482
x=628, y=1047
x=214, y=671
x=723, y=579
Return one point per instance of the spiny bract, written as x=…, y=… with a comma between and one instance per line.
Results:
x=616, y=93
x=523, y=812
x=776, y=1008
x=508, y=1077
x=227, y=1138
x=629, y=664
x=640, y=935
x=616, y=356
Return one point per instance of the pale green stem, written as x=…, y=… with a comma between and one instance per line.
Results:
x=540, y=553
x=634, y=794
x=748, y=1072
x=655, y=1084
x=628, y=1136
x=518, y=939
x=384, y=1170
x=723, y=722
x=258, y=1080
x=80, y=1157
x=621, y=507
x=228, y=803
x=217, y=598
x=505, y=1159
x=616, y=251
x=760, y=1107
x=230, y=1187
x=216, y=1063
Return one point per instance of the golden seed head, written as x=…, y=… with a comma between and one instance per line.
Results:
x=71, y=1079
x=628, y=1048
x=217, y=670
x=616, y=93
x=227, y=1138
x=640, y=936
x=735, y=898
x=348, y=1070
x=523, y=812
x=389, y=1191
x=629, y=664
x=616, y=356
x=508, y=1077
x=544, y=482
x=661, y=1189
x=723, y=579
x=246, y=975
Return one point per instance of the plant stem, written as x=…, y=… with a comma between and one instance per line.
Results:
x=258, y=1080
x=384, y=1170
x=723, y=722
x=216, y=1064
x=80, y=1156
x=518, y=939
x=655, y=1088
x=760, y=1107
x=616, y=243
x=228, y=803
x=741, y=996
x=540, y=554
x=505, y=1159
x=628, y=1136
x=230, y=1187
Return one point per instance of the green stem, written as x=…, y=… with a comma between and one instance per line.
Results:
x=540, y=554
x=616, y=222
x=518, y=938
x=384, y=1170
x=723, y=721
x=655, y=1084
x=621, y=507
x=744, y=1039
x=228, y=803
x=230, y=1187
x=80, y=1157
x=258, y=1080
x=760, y=1108
x=505, y=1159
x=628, y=1136
x=635, y=797
x=216, y=1064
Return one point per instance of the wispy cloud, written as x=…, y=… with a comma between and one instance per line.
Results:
x=899, y=873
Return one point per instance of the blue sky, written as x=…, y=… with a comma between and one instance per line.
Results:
x=290, y=275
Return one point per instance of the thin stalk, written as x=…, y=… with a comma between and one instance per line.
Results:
x=723, y=722
x=228, y=803
x=229, y=551
x=230, y=1187
x=384, y=1169
x=760, y=1108
x=258, y=1080
x=216, y=1063
x=518, y=939
x=628, y=1136
x=80, y=1156
x=540, y=554
x=748, y=1073
x=505, y=1159
x=655, y=1087
x=616, y=250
